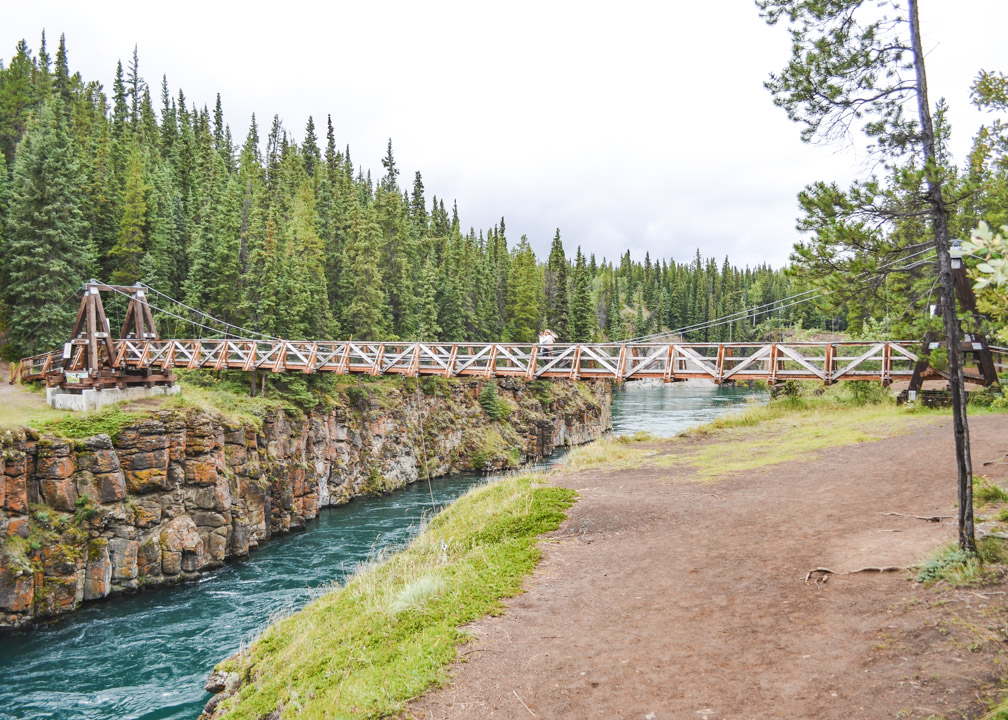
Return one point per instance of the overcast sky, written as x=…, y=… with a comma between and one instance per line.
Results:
x=640, y=125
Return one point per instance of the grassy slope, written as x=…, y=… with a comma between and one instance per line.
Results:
x=756, y=438
x=364, y=649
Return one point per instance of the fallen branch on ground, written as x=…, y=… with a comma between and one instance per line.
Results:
x=822, y=573
x=928, y=518
x=993, y=462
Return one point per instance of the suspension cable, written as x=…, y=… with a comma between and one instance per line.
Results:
x=246, y=332
x=774, y=305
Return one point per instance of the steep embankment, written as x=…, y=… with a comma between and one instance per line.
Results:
x=182, y=490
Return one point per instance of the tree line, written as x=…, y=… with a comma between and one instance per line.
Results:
x=291, y=238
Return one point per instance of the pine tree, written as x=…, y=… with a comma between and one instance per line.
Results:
x=524, y=294
x=582, y=321
x=365, y=309
x=127, y=253
x=17, y=99
x=557, y=306
x=61, y=75
x=164, y=266
x=418, y=206
x=46, y=249
x=310, y=149
x=43, y=72
x=390, y=181
x=427, y=307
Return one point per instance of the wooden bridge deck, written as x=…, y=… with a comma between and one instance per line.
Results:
x=773, y=362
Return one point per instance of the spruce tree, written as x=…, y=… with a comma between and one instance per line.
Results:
x=557, y=306
x=365, y=310
x=47, y=252
x=391, y=180
x=17, y=100
x=127, y=253
x=62, y=73
x=310, y=149
x=582, y=321
x=524, y=294
x=427, y=307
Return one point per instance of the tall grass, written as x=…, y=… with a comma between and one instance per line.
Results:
x=364, y=649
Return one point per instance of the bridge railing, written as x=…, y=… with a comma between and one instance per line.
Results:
x=1000, y=356
x=719, y=362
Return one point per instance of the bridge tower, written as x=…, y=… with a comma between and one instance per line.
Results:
x=92, y=373
x=974, y=345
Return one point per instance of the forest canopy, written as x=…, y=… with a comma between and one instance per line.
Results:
x=282, y=233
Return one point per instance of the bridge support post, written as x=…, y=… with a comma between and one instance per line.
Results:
x=92, y=373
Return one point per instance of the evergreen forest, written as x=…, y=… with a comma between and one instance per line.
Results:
x=281, y=232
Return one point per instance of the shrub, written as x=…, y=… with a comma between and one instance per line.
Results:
x=491, y=404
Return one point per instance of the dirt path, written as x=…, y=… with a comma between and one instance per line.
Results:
x=667, y=599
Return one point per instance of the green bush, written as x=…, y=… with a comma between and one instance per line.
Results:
x=947, y=559
x=491, y=404
x=994, y=397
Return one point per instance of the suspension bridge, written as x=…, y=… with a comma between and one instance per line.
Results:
x=93, y=359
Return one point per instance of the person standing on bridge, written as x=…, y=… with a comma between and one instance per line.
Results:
x=546, y=338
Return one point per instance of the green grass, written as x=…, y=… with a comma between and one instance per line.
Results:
x=25, y=405
x=758, y=437
x=610, y=453
x=965, y=569
x=985, y=492
x=762, y=437
x=365, y=649
x=109, y=420
x=234, y=406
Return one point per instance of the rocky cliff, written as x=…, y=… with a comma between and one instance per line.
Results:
x=178, y=492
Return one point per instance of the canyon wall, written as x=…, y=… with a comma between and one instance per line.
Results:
x=180, y=491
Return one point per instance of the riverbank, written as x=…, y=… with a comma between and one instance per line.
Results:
x=677, y=585
x=159, y=493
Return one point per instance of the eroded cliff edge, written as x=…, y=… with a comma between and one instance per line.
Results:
x=181, y=491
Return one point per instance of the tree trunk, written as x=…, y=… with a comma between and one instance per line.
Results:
x=950, y=320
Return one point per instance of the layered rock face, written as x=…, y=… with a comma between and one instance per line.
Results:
x=182, y=491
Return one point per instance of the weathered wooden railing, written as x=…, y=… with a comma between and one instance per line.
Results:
x=827, y=362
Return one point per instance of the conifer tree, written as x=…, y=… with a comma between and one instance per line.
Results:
x=418, y=206
x=120, y=110
x=46, y=249
x=390, y=181
x=135, y=87
x=61, y=74
x=164, y=266
x=127, y=253
x=310, y=149
x=427, y=307
x=365, y=310
x=582, y=321
x=557, y=307
x=523, y=294
x=17, y=99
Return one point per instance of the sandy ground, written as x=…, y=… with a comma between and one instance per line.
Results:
x=661, y=599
